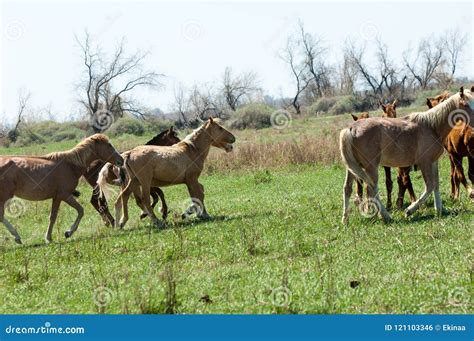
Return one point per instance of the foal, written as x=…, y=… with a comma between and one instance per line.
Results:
x=54, y=176
x=99, y=202
x=416, y=139
x=182, y=163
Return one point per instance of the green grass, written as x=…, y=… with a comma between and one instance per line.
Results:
x=275, y=245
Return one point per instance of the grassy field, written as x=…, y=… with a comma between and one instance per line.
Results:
x=275, y=245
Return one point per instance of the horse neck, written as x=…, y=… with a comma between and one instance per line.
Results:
x=201, y=142
x=441, y=124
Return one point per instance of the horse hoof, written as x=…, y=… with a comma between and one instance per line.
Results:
x=67, y=234
x=18, y=241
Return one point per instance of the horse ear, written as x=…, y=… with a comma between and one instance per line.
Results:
x=170, y=130
x=472, y=88
x=461, y=92
x=428, y=103
x=211, y=120
x=354, y=117
x=394, y=104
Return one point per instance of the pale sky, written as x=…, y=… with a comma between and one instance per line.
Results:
x=194, y=42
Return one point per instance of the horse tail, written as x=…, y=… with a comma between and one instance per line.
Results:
x=345, y=146
x=104, y=191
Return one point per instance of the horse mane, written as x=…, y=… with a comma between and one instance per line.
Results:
x=190, y=139
x=436, y=116
x=80, y=154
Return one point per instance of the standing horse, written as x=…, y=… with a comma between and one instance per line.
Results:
x=99, y=202
x=416, y=139
x=460, y=143
x=181, y=163
x=434, y=101
x=54, y=176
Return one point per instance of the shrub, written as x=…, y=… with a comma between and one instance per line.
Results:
x=343, y=105
x=155, y=125
x=323, y=104
x=126, y=125
x=252, y=116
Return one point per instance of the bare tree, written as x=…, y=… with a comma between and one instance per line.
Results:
x=314, y=53
x=107, y=82
x=454, y=42
x=347, y=74
x=181, y=103
x=289, y=56
x=23, y=99
x=202, y=102
x=429, y=58
x=237, y=88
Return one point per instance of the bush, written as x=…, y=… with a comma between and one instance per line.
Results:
x=156, y=125
x=323, y=105
x=126, y=125
x=344, y=104
x=252, y=116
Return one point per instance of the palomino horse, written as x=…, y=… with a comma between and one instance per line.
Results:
x=165, y=138
x=54, y=176
x=182, y=163
x=403, y=177
x=416, y=139
x=460, y=143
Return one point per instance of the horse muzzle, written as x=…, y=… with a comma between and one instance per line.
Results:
x=228, y=147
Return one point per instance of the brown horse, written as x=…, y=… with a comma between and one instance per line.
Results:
x=434, y=101
x=99, y=202
x=403, y=177
x=148, y=166
x=416, y=139
x=460, y=144
x=54, y=176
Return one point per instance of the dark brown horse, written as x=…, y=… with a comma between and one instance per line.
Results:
x=460, y=144
x=165, y=138
x=54, y=176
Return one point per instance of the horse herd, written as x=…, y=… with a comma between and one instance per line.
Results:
x=416, y=140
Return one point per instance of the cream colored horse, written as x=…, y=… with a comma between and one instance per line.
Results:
x=182, y=163
x=416, y=139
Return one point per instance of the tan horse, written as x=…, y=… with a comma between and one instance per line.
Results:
x=431, y=102
x=182, y=163
x=54, y=176
x=416, y=139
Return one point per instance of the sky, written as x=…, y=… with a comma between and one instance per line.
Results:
x=193, y=42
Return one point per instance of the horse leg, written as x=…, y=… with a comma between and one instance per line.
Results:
x=52, y=219
x=470, y=174
x=154, y=192
x=453, y=177
x=145, y=198
x=401, y=188
x=347, y=191
x=389, y=185
x=427, y=172
x=196, y=192
x=80, y=213
x=7, y=224
x=373, y=194
x=164, y=206
x=121, y=205
x=460, y=178
x=408, y=185
x=438, y=204
x=100, y=205
x=360, y=192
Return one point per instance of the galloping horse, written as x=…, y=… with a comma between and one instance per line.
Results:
x=54, y=176
x=165, y=138
x=182, y=163
x=416, y=139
